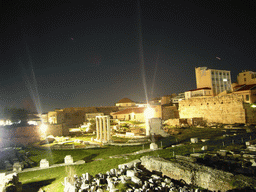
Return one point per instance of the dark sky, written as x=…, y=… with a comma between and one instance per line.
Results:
x=61, y=53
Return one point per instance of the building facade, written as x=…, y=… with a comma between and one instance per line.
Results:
x=217, y=80
x=125, y=103
x=201, y=92
x=175, y=100
x=246, y=77
x=248, y=92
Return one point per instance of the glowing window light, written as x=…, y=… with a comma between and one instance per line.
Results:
x=225, y=80
x=253, y=105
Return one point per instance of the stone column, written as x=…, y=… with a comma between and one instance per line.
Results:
x=104, y=118
x=97, y=128
x=108, y=129
x=100, y=122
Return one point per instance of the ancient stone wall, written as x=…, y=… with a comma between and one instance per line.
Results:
x=191, y=173
x=58, y=130
x=28, y=131
x=227, y=109
x=169, y=112
x=250, y=114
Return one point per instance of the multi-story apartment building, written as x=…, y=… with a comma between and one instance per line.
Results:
x=246, y=86
x=246, y=77
x=175, y=100
x=217, y=80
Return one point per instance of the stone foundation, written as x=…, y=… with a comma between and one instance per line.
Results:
x=191, y=173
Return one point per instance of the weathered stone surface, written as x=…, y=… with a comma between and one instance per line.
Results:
x=153, y=146
x=17, y=167
x=130, y=173
x=222, y=152
x=194, y=140
x=191, y=173
x=44, y=163
x=136, y=180
x=205, y=147
x=226, y=109
x=68, y=159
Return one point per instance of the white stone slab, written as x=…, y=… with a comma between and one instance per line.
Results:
x=194, y=140
x=204, y=148
x=68, y=159
x=136, y=180
x=44, y=163
x=130, y=173
x=153, y=146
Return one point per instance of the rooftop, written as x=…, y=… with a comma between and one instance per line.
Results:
x=125, y=100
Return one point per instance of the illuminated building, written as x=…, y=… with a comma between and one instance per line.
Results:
x=217, y=80
x=246, y=77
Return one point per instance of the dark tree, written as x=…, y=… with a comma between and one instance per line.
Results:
x=16, y=115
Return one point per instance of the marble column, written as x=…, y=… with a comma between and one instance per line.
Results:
x=108, y=129
x=100, y=119
x=105, y=128
x=97, y=128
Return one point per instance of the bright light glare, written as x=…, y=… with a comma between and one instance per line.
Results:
x=2, y=122
x=43, y=128
x=253, y=105
x=149, y=112
x=32, y=122
x=225, y=80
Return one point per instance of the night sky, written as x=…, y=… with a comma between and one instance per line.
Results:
x=59, y=54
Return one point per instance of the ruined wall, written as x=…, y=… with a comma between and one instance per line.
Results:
x=169, y=112
x=58, y=130
x=250, y=114
x=198, y=175
x=10, y=136
x=176, y=122
x=227, y=109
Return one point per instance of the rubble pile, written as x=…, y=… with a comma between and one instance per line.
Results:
x=131, y=177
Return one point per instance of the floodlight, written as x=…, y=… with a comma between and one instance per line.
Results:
x=43, y=128
x=149, y=113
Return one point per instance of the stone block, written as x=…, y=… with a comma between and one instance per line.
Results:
x=68, y=159
x=194, y=140
x=248, y=143
x=130, y=173
x=204, y=148
x=136, y=180
x=17, y=167
x=185, y=158
x=253, y=162
x=44, y=163
x=222, y=152
x=153, y=146
x=197, y=155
